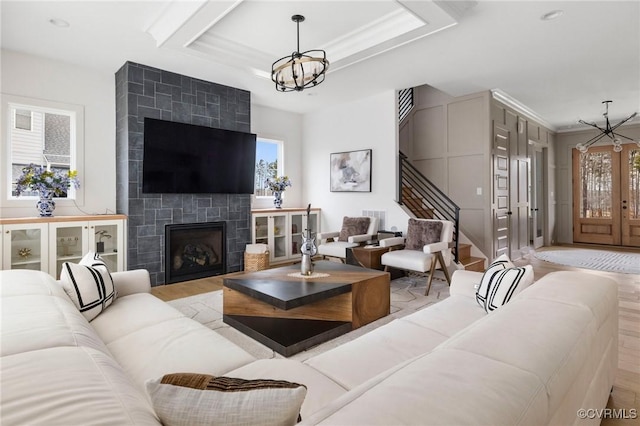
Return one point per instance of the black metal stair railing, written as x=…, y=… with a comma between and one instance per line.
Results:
x=426, y=200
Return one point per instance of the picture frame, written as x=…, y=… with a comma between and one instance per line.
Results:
x=350, y=171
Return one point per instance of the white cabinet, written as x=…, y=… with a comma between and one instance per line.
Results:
x=69, y=241
x=24, y=246
x=281, y=230
x=46, y=243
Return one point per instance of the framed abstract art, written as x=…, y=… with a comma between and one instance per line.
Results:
x=351, y=171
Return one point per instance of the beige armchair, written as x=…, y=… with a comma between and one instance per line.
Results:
x=355, y=231
x=426, y=248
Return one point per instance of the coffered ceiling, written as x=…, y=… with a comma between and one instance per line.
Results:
x=561, y=69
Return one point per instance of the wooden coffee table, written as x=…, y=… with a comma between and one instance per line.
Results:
x=291, y=314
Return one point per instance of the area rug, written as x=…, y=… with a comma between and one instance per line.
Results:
x=407, y=296
x=601, y=260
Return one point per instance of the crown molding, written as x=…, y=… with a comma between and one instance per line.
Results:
x=518, y=106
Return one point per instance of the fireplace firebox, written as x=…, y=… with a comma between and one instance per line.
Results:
x=194, y=250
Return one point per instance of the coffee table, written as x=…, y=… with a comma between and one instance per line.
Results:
x=290, y=314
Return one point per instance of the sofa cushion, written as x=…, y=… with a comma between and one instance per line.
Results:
x=70, y=386
x=422, y=232
x=140, y=327
x=187, y=399
x=89, y=285
x=321, y=390
x=442, y=387
x=397, y=341
x=505, y=284
x=353, y=226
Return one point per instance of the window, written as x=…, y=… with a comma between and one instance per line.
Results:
x=268, y=164
x=22, y=119
x=43, y=133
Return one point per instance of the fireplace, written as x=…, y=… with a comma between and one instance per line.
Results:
x=194, y=250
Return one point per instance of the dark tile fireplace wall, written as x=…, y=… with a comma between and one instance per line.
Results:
x=143, y=91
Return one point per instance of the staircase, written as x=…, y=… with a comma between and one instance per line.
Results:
x=470, y=263
x=425, y=201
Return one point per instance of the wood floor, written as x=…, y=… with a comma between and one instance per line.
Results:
x=626, y=390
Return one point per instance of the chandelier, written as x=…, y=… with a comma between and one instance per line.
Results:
x=299, y=70
x=607, y=130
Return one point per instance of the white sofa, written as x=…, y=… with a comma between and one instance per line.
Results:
x=550, y=351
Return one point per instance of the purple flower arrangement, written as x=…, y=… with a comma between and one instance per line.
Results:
x=40, y=179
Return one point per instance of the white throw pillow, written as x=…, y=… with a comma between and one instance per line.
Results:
x=507, y=283
x=500, y=263
x=89, y=285
x=202, y=399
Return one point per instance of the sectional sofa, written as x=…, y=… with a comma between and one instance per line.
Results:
x=538, y=359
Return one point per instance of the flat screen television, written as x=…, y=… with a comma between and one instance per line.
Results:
x=181, y=158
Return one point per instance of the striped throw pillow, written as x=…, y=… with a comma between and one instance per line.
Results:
x=189, y=398
x=507, y=283
x=500, y=263
x=89, y=285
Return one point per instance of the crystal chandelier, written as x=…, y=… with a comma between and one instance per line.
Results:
x=299, y=70
x=607, y=130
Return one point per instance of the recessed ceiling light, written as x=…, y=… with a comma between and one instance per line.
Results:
x=59, y=22
x=550, y=16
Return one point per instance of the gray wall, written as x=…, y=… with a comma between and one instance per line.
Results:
x=446, y=138
x=143, y=91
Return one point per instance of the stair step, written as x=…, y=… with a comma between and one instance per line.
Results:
x=473, y=263
x=464, y=250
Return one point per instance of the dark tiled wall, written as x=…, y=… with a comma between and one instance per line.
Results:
x=143, y=91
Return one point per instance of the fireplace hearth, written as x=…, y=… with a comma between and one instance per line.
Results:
x=194, y=250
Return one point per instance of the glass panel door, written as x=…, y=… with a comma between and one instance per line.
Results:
x=68, y=243
x=297, y=228
x=279, y=231
x=631, y=196
x=261, y=229
x=25, y=247
x=105, y=242
x=596, y=191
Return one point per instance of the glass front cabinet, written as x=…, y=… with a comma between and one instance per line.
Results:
x=46, y=243
x=282, y=231
x=24, y=246
x=69, y=241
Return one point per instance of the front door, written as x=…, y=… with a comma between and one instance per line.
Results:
x=606, y=196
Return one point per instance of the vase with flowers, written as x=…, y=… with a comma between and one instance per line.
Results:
x=277, y=186
x=47, y=183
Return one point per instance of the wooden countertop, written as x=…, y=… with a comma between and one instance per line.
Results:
x=20, y=220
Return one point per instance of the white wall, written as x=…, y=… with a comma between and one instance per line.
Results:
x=94, y=90
x=284, y=126
x=369, y=123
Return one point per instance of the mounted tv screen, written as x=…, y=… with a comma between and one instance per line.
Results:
x=188, y=159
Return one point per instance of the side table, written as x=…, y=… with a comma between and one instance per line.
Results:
x=369, y=257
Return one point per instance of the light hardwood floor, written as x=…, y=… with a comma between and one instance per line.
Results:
x=626, y=389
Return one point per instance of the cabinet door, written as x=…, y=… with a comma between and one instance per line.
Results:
x=297, y=221
x=25, y=247
x=68, y=242
x=260, y=229
x=299, y=226
x=106, y=238
x=278, y=237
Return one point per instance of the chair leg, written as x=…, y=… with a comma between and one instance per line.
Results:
x=444, y=267
x=431, y=271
